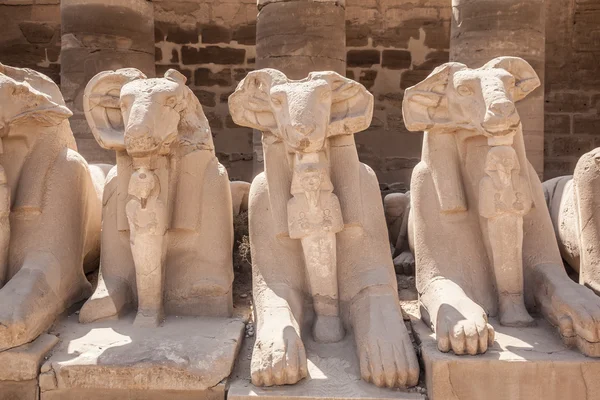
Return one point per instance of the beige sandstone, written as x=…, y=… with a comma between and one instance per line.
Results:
x=239, y=196
x=317, y=226
x=20, y=367
x=523, y=364
x=50, y=208
x=573, y=204
x=167, y=232
x=333, y=371
x=481, y=232
x=186, y=358
x=485, y=29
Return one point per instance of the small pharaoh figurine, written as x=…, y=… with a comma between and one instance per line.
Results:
x=147, y=216
x=504, y=198
x=314, y=217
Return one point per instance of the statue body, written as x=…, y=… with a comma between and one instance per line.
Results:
x=50, y=208
x=317, y=227
x=479, y=226
x=167, y=231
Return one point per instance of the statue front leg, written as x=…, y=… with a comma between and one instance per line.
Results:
x=147, y=217
x=506, y=238
x=320, y=258
x=4, y=226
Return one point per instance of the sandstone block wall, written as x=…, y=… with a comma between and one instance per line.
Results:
x=390, y=45
x=572, y=119
x=212, y=42
x=31, y=35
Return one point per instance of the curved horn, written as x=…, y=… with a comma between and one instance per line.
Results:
x=249, y=105
x=526, y=78
x=351, y=104
x=101, y=106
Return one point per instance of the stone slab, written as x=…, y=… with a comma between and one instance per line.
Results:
x=524, y=364
x=23, y=363
x=185, y=358
x=19, y=390
x=333, y=374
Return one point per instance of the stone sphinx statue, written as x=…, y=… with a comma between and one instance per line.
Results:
x=480, y=229
x=50, y=208
x=573, y=203
x=167, y=232
x=317, y=226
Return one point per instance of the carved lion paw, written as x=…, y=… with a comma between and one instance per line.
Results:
x=386, y=354
x=463, y=331
x=278, y=358
x=577, y=311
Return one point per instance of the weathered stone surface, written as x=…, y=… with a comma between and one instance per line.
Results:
x=215, y=393
x=262, y=3
x=479, y=32
x=396, y=59
x=363, y=58
x=50, y=211
x=167, y=232
x=212, y=54
x=99, y=36
x=308, y=29
x=333, y=373
x=185, y=356
x=206, y=77
x=19, y=390
x=319, y=214
x=522, y=364
x=23, y=363
x=487, y=198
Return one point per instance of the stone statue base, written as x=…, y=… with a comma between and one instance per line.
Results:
x=20, y=366
x=523, y=364
x=333, y=373
x=184, y=358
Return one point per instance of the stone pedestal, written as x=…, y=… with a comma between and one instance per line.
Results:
x=484, y=29
x=100, y=35
x=523, y=364
x=333, y=374
x=185, y=358
x=19, y=368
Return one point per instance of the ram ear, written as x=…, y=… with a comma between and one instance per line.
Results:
x=425, y=104
x=250, y=105
x=101, y=106
x=37, y=95
x=351, y=104
x=526, y=79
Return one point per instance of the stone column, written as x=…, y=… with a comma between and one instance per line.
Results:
x=99, y=35
x=297, y=37
x=484, y=29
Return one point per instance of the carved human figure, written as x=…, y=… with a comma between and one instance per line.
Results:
x=314, y=217
x=470, y=195
x=314, y=186
x=50, y=208
x=503, y=201
x=167, y=232
x=574, y=202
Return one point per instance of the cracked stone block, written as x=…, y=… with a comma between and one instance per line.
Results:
x=523, y=364
x=185, y=358
x=333, y=374
x=19, y=368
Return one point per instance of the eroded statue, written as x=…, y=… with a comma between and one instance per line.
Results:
x=317, y=226
x=50, y=208
x=167, y=230
x=574, y=203
x=481, y=233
